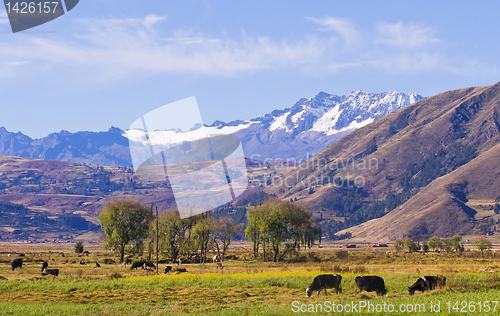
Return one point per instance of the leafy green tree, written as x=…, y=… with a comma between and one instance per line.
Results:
x=411, y=245
x=223, y=230
x=483, y=244
x=446, y=245
x=125, y=222
x=424, y=247
x=285, y=226
x=398, y=245
x=435, y=243
x=256, y=230
x=200, y=234
x=455, y=243
x=174, y=233
x=150, y=242
x=79, y=247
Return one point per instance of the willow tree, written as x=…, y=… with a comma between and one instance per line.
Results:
x=200, y=235
x=174, y=233
x=284, y=225
x=256, y=230
x=125, y=222
x=222, y=232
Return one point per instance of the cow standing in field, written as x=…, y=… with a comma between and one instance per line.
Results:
x=216, y=258
x=428, y=282
x=17, y=263
x=54, y=272
x=325, y=281
x=136, y=265
x=371, y=284
x=168, y=270
x=45, y=265
x=148, y=264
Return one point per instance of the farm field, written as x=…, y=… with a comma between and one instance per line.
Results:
x=261, y=288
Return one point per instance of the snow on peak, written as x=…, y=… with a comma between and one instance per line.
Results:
x=331, y=114
x=172, y=137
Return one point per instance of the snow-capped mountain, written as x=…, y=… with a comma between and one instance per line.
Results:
x=311, y=125
x=302, y=130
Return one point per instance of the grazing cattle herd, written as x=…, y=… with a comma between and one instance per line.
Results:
x=371, y=283
x=320, y=282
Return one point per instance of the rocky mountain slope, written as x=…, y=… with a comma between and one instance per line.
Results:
x=410, y=173
x=102, y=148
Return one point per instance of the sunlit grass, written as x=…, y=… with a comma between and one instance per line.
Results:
x=263, y=288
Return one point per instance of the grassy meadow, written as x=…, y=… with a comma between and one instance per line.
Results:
x=252, y=286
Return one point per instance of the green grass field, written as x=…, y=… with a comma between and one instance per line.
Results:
x=260, y=288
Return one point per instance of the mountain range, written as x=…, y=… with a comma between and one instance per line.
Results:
x=428, y=169
x=300, y=131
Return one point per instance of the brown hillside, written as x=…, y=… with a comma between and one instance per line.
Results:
x=440, y=208
x=401, y=154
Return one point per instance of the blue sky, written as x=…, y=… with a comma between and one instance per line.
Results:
x=107, y=62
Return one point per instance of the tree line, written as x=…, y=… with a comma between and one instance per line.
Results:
x=438, y=244
x=279, y=228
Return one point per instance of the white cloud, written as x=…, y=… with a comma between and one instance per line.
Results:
x=112, y=49
x=122, y=47
x=406, y=36
x=3, y=17
x=16, y=63
x=343, y=27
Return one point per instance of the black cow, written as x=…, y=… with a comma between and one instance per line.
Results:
x=17, y=263
x=97, y=265
x=168, y=269
x=427, y=282
x=54, y=272
x=325, y=281
x=371, y=284
x=149, y=265
x=45, y=265
x=136, y=265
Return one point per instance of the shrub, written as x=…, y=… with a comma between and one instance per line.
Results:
x=79, y=247
x=342, y=254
